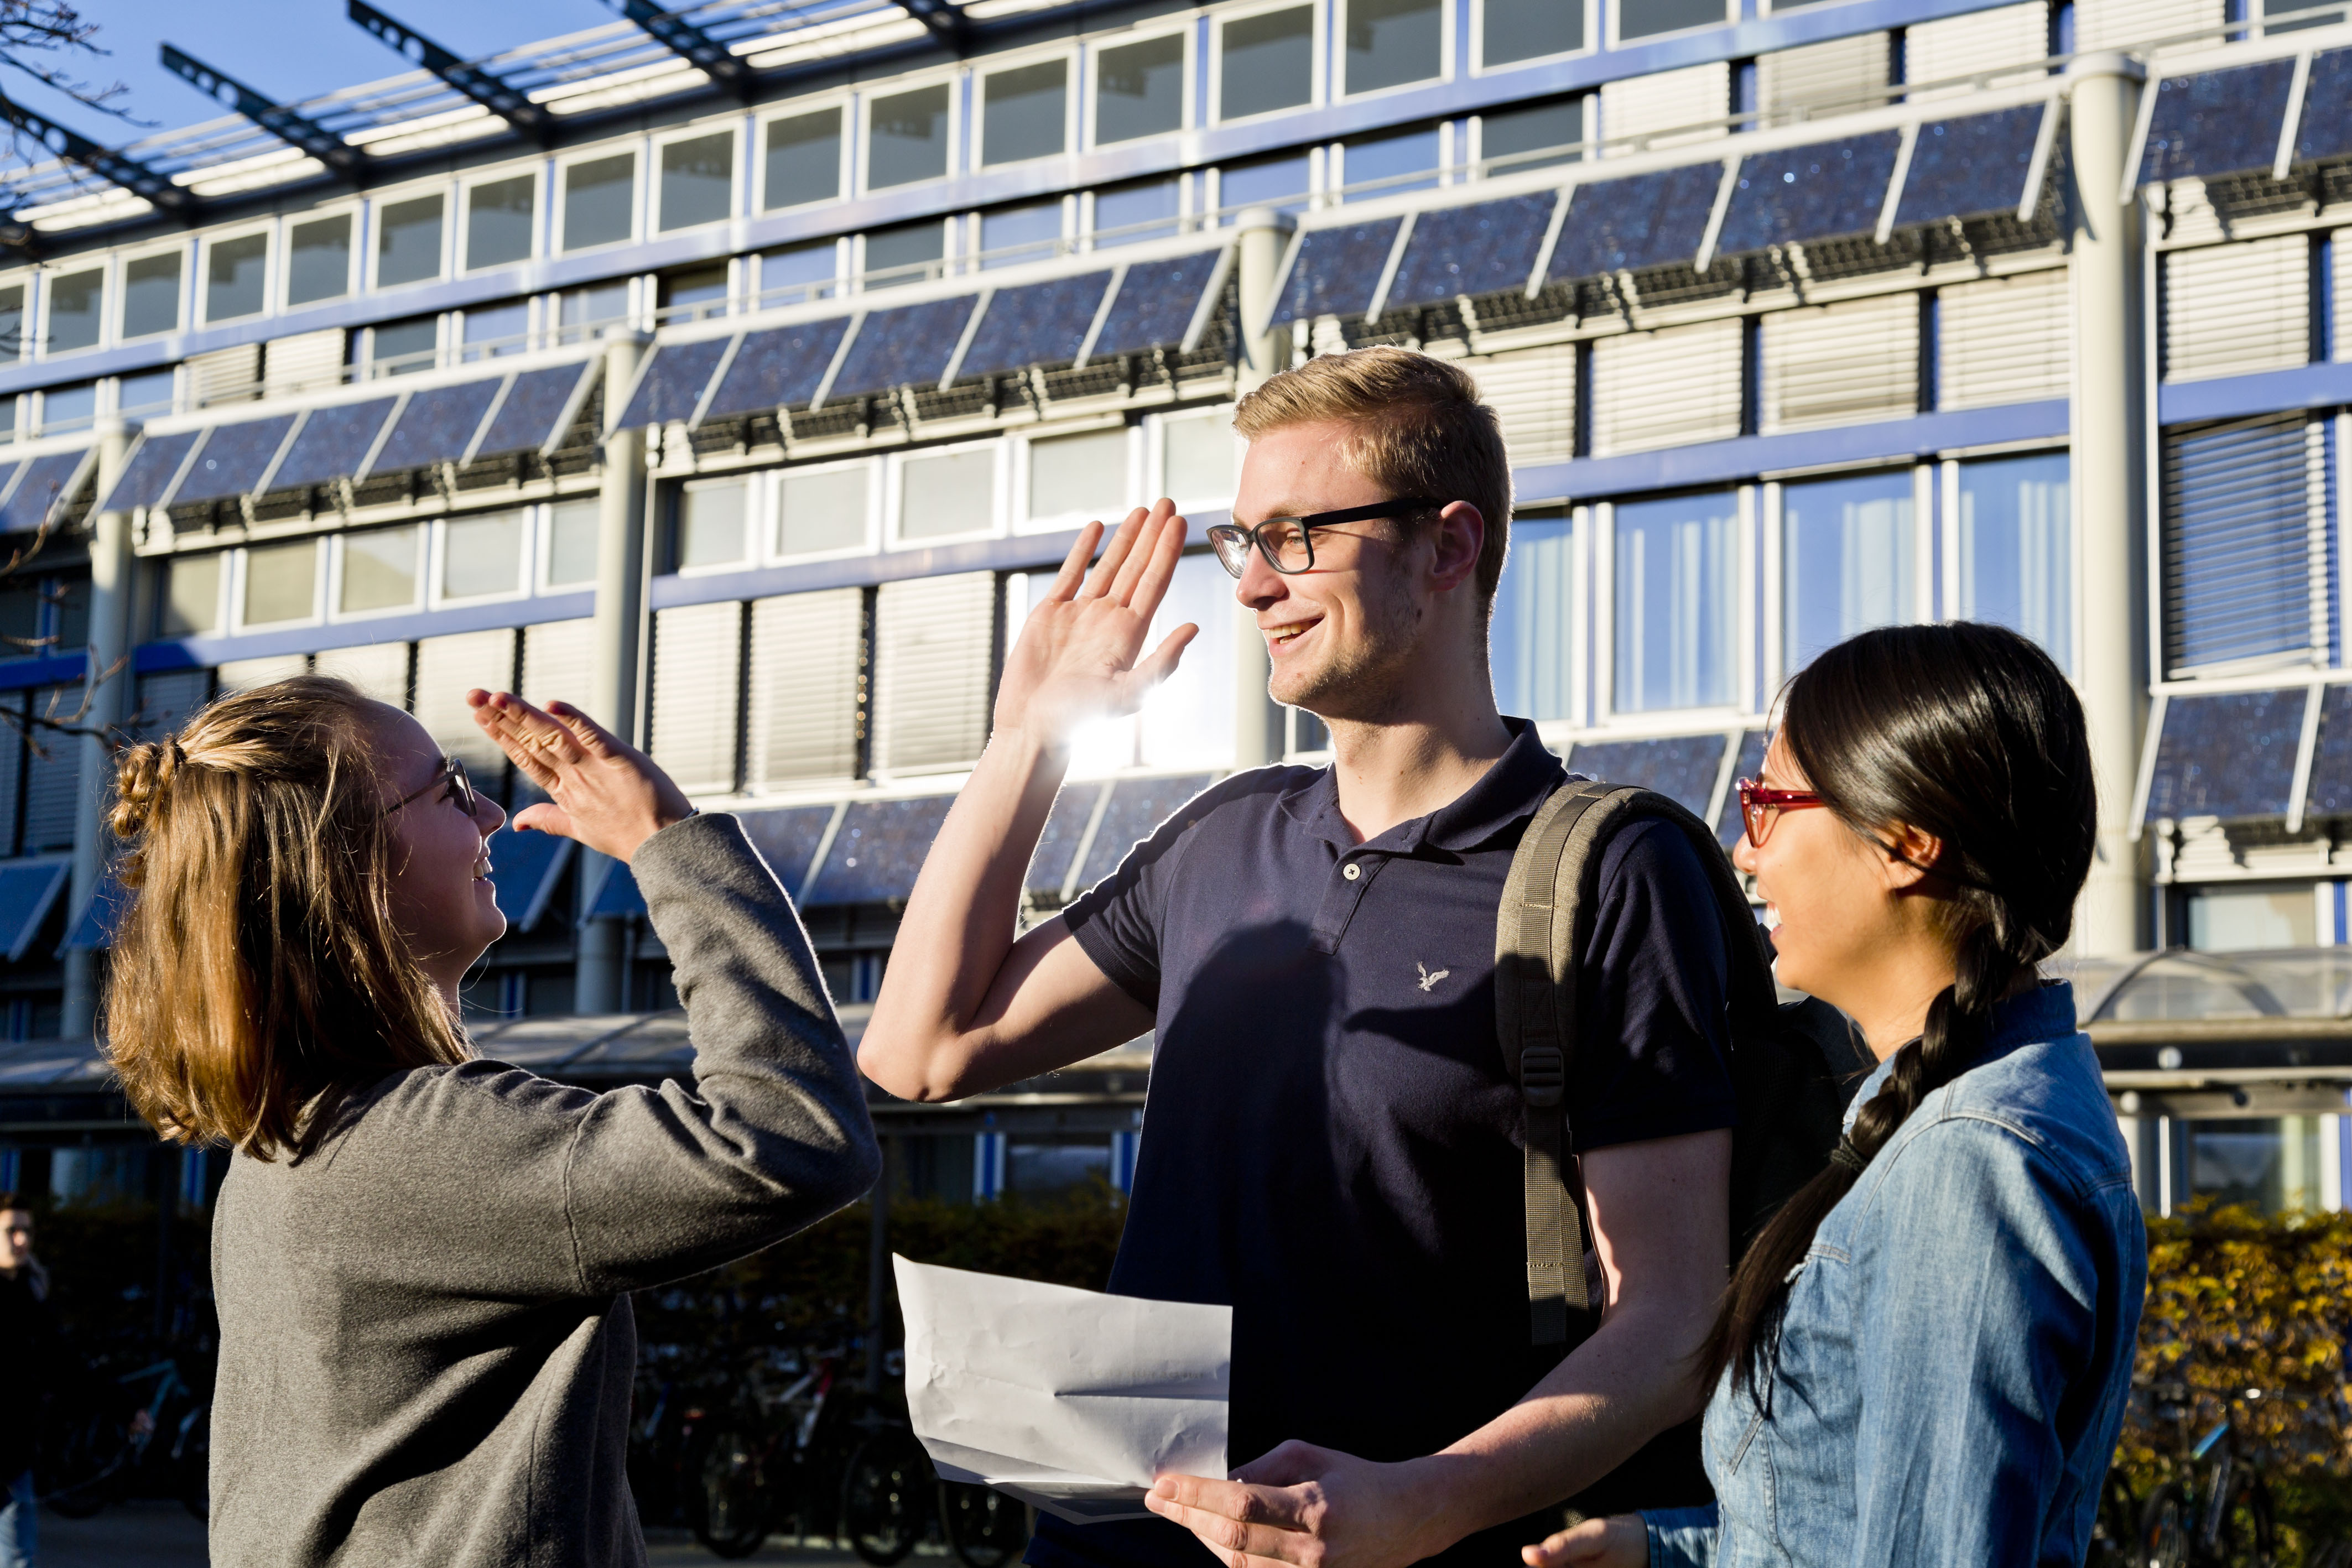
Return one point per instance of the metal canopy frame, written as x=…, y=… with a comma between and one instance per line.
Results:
x=691, y=43
x=289, y=126
x=945, y=21
x=490, y=91
x=107, y=164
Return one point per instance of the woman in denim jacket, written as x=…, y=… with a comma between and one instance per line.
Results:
x=1924, y=1358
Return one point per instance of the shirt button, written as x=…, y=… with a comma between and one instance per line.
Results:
x=1351, y=871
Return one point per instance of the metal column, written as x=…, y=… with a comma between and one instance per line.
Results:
x=621, y=573
x=111, y=569
x=2110, y=483
x=1257, y=719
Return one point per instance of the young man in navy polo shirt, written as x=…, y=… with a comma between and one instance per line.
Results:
x=1332, y=1140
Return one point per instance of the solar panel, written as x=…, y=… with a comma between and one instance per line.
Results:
x=525, y=869
x=1334, y=271
x=1815, y=192
x=27, y=892
x=2326, y=128
x=1750, y=765
x=779, y=368
x=47, y=480
x=94, y=932
x=617, y=897
x=332, y=444
x=2331, y=758
x=1035, y=324
x=1681, y=768
x=1484, y=248
x=1137, y=807
x=1971, y=165
x=528, y=419
x=879, y=849
x=2230, y=756
x=150, y=469
x=1645, y=220
x=672, y=382
x=908, y=345
x=436, y=425
x=234, y=460
x=1074, y=808
x=787, y=840
x=1156, y=303
x=2217, y=122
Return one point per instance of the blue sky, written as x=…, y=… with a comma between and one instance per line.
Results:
x=286, y=48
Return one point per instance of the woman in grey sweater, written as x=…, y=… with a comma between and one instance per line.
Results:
x=421, y=1257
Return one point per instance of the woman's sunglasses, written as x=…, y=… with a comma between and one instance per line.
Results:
x=461, y=790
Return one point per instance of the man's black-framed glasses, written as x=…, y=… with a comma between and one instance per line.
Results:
x=461, y=790
x=1288, y=543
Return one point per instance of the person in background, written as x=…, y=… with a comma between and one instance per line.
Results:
x=1924, y=1358
x=28, y=1342
x=422, y=1258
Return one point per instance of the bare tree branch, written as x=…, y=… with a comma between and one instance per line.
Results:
x=32, y=28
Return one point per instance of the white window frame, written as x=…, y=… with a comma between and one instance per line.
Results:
x=1189, y=115
x=1449, y=49
x=378, y=201
x=223, y=603
x=29, y=325
x=952, y=231
x=354, y=265
x=337, y=545
x=559, y=196
x=442, y=333
x=542, y=546
x=755, y=520
x=959, y=90
x=437, y=549
x=1730, y=16
x=323, y=579
x=1156, y=456
x=1925, y=551
x=1474, y=48
x=734, y=131
x=756, y=285
x=462, y=263
x=199, y=283
x=771, y=507
x=1074, y=77
x=114, y=327
x=110, y=301
x=1600, y=591
x=894, y=538
x=1139, y=467
x=1319, y=89
x=846, y=176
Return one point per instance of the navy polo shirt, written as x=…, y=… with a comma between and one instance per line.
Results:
x=1332, y=1144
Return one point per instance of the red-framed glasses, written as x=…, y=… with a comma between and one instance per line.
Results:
x=1760, y=807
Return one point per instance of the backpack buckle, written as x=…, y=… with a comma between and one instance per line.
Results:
x=1543, y=1074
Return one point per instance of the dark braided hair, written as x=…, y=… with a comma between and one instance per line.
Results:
x=1967, y=733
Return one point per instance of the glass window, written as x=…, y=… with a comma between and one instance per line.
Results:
x=803, y=159
x=1399, y=160
x=949, y=493
x=825, y=510
x=281, y=582
x=1644, y=18
x=1278, y=183
x=2275, y=9
x=691, y=296
x=600, y=200
x=499, y=218
x=319, y=260
x=799, y=273
x=1140, y=89
x=1532, y=129
x=8, y=418
x=235, y=277
x=908, y=140
x=408, y=244
x=1198, y=460
x=481, y=555
x=711, y=523
x=1846, y=560
x=1024, y=112
x=1531, y=636
x=494, y=329
x=1678, y=568
x=12, y=322
x=401, y=347
x=151, y=294
x=573, y=530
x=76, y=301
x=2017, y=558
x=1392, y=42
x=2252, y=917
x=908, y=254
x=192, y=595
x=586, y=309
x=1125, y=213
x=1072, y=475
x=697, y=181
x=378, y=569
x=1268, y=63
x=1188, y=720
x=2270, y=1163
x=151, y=392
x=1526, y=29
x=68, y=408
x=1011, y=235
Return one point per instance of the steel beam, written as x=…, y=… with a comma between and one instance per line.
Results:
x=945, y=21
x=296, y=129
x=75, y=148
x=689, y=43
x=476, y=83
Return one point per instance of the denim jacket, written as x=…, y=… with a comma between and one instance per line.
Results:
x=1958, y=1345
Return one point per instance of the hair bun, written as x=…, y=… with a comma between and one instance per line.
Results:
x=142, y=775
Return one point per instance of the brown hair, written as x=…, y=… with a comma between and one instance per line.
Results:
x=1417, y=429
x=259, y=977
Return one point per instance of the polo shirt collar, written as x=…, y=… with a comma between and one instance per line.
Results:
x=1510, y=790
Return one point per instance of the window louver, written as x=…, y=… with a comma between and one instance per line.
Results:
x=2247, y=555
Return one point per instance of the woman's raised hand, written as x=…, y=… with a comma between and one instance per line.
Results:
x=1078, y=655
x=1620, y=1541
x=606, y=795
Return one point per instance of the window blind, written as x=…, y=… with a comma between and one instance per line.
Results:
x=2248, y=542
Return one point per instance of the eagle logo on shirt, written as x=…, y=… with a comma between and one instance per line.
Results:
x=1428, y=979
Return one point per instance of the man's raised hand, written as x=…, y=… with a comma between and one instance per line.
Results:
x=1079, y=656
x=602, y=792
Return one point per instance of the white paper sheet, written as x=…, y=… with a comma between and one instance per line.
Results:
x=1072, y=1401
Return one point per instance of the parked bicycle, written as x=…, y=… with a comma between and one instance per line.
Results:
x=777, y=1454
x=2215, y=1513
x=98, y=1453
x=892, y=1499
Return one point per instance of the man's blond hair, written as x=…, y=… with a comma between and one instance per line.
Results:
x=1416, y=428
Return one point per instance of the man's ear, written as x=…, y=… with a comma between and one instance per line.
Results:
x=1458, y=538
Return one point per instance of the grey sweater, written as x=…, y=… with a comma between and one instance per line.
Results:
x=425, y=1354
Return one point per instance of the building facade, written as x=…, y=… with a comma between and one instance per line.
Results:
x=736, y=382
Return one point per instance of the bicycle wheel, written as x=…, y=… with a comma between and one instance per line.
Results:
x=984, y=1527
x=2114, y=1527
x=882, y=1497
x=82, y=1465
x=2249, y=1534
x=727, y=1492
x=2165, y=1525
